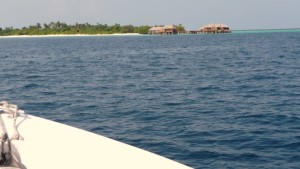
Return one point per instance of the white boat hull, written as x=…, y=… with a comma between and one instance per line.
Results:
x=51, y=145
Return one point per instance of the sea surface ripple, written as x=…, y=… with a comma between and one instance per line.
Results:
x=207, y=101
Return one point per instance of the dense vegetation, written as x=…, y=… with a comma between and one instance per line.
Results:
x=63, y=28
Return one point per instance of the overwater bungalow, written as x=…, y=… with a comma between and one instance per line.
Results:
x=163, y=30
x=215, y=28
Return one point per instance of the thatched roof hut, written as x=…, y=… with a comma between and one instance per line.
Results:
x=163, y=30
x=215, y=28
x=155, y=30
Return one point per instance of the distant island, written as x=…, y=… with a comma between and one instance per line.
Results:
x=84, y=29
x=60, y=28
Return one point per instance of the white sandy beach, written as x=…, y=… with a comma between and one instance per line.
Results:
x=69, y=35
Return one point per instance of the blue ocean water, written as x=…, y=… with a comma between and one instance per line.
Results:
x=207, y=101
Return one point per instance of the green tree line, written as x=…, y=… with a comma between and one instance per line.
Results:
x=63, y=28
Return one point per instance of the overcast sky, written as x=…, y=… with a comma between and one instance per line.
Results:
x=193, y=14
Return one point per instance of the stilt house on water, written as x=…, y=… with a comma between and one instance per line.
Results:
x=215, y=28
x=163, y=30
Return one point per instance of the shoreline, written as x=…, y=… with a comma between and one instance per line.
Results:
x=69, y=35
x=296, y=30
